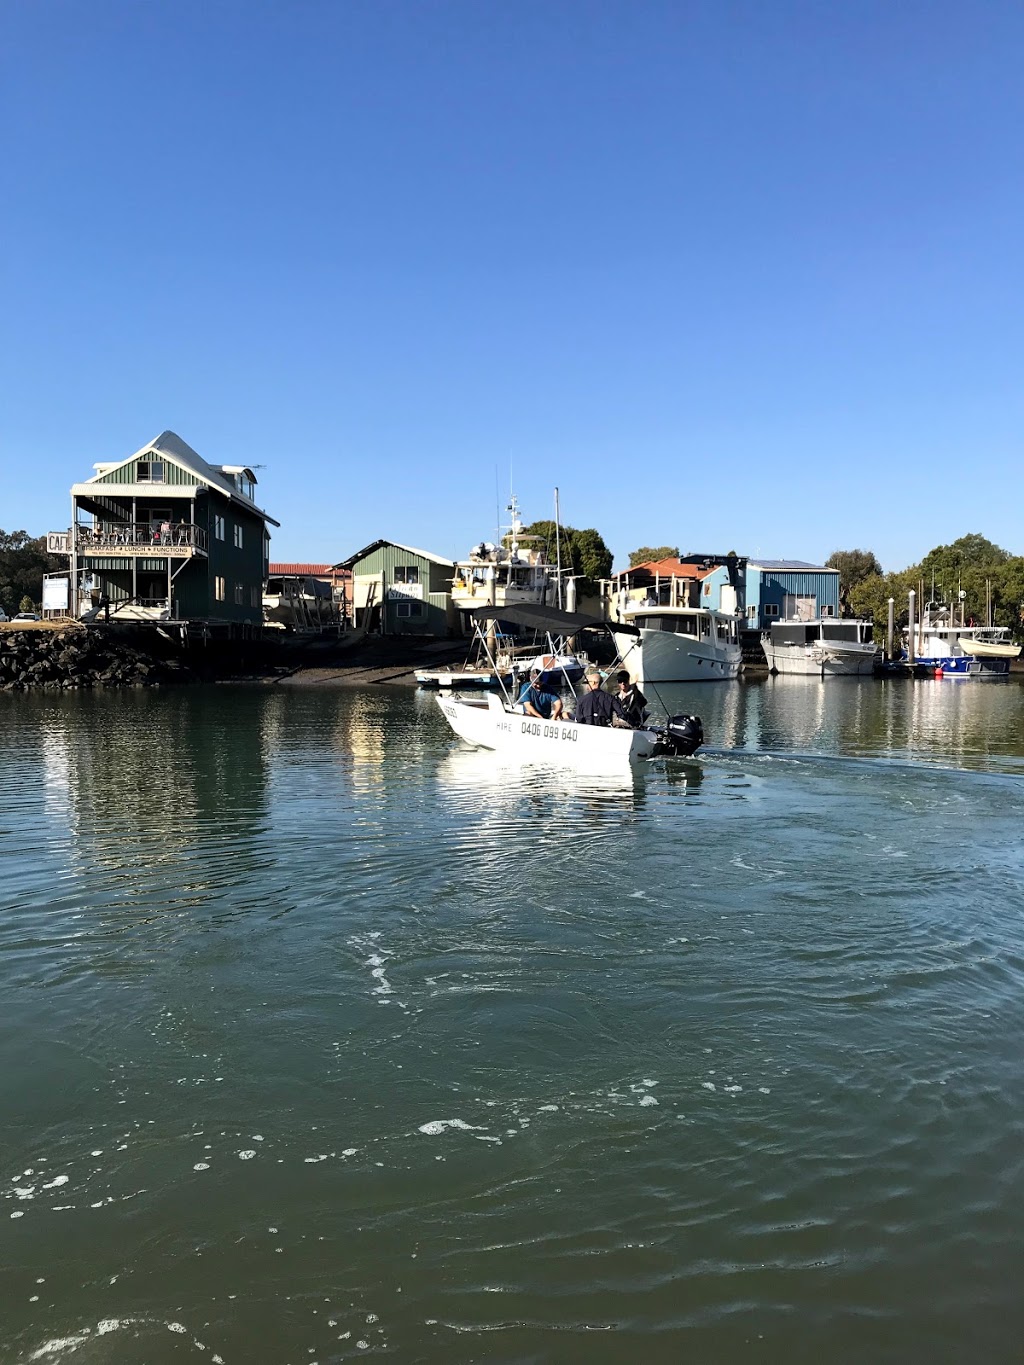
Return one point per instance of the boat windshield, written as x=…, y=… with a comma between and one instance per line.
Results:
x=680, y=625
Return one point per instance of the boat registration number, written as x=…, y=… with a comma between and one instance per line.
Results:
x=545, y=731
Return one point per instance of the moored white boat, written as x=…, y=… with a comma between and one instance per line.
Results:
x=938, y=646
x=823, y=647
x=985, y=646
x=679, y=644
x=512, y=573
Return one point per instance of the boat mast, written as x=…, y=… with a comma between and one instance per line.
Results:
x=558, y=556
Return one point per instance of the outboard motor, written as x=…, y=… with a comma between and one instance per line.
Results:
x=679, y=737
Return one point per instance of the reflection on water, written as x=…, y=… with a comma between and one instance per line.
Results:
x=324, y=1036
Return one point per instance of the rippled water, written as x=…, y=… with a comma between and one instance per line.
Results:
x=323, y=1039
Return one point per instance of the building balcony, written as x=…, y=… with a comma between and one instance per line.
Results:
x=139, y=539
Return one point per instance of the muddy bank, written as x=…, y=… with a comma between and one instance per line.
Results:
x=369, y=662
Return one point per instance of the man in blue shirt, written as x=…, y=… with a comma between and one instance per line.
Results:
x=536, y=702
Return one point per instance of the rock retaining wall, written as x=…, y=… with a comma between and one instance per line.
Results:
x=80, y=657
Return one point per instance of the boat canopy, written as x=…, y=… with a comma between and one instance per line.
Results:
x=535, y=617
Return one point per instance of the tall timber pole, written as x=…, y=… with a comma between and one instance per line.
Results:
x=558, y=554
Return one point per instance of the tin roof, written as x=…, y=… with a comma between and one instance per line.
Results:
x=307, y=570
x=797, y=565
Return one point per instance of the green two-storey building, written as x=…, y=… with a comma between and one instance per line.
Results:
x=164, y=536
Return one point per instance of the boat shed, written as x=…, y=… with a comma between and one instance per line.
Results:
x=399, y=590
x=789, y=590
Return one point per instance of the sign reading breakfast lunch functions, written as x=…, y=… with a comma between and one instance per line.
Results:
x=57, y=542
x=400, y=590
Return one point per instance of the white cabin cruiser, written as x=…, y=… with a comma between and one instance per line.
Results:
x=666, y=644
x=512, y=573
x=824, y=647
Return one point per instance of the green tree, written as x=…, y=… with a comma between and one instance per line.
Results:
x=583, y=551
x=648, y=554
x=854, y=566
x=23, y=561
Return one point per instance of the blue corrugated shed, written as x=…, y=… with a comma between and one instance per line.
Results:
x=781, y=588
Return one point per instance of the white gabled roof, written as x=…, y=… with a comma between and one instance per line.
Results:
x=169, y=444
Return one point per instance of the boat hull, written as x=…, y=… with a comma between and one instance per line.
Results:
x=816, y=661
x=958, y=666
x=491, y=725
x=662, y=656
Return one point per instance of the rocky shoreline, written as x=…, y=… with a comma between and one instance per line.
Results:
x=75, y=657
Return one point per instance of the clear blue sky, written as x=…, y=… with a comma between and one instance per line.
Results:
x=732, y=275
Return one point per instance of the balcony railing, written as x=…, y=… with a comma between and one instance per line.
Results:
x=140, y=538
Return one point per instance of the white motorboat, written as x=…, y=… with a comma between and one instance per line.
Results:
x=494, y=723
x=666, y=644
x=824, y=647
x=937, y=645
x=990, y=643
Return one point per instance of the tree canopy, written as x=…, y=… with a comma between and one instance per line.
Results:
x=584, y=551
x=23, y=561
x=647, y=554
x=854, y=566
x=972, y=565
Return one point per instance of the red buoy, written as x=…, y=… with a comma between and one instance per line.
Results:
x=938, y=672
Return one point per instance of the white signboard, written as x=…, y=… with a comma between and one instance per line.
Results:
x=55, y=594
x=57, y=543
x=399, y=591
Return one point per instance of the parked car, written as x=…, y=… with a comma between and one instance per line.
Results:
x=28, y=616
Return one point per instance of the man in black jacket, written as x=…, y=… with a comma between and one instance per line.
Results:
x=632, y=700
x=595, y=707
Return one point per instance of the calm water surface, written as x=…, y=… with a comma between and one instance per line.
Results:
x=324, y=1039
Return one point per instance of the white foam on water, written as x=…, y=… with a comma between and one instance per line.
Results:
x=708, y=1085
x=436, y=1126
x=18, y=1213
x=548, y=1109
x=247, y=1155
x=58, y=1180
x=350, y=1151
x=647, y=1100
x=60, y=1345
x=199, y=1166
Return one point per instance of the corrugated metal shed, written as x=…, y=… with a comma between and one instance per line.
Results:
x=789, y=589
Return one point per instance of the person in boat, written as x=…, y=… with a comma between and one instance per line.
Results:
x=536, y=702
x=597, y=707
x=632, y=700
